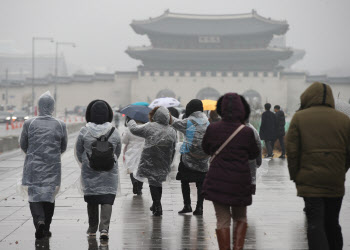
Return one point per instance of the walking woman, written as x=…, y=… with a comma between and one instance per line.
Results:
x=228, y=181
x=158, y=153
x=97, y=148
x=43, y=140
x=131, y=155
x=194, y=162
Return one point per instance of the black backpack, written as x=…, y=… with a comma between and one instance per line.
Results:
x=102, y=153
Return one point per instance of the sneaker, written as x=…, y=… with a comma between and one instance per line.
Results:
x=91, y=233
x=198, y=211
x=39, y=233
x=186, y=209
x=282, y=157
x=104, y=235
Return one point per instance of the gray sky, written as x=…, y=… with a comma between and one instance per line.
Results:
x=102, y=32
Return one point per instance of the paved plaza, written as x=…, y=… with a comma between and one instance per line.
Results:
x=276, y=219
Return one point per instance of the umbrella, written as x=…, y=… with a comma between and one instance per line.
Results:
x=209, y=104
x=141, y=103
x=138, y=113
x=165, y=101
x=342, y=107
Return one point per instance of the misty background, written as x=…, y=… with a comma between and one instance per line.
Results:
x=101, y=30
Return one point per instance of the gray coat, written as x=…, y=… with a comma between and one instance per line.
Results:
x=193, y=128
x=97, y=182
x=159, y=148
x=43, y=140
x=254, y=164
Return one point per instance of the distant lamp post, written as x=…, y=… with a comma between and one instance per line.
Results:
x=34, y=39
x=56, y=68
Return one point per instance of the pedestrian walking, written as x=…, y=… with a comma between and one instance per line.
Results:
x=280, y=130
x=213, y=116
x=132, y=154
x=43, y=140
x=255, y=163
x=228, y=183
x=97, y=148
x=117, y=118
x=194, y=162
x=318, y=148
x=268, y=129
x=158, y=153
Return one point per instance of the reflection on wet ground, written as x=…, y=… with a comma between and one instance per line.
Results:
x=276, y=219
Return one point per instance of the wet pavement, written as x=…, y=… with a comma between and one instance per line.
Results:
x=276, y=219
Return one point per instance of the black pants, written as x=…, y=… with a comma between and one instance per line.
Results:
x=42, y=211
x=269, y=147
x=324, y=231
x=281, y=140
x=136, y=183
x=156, y=193
x=186, y=193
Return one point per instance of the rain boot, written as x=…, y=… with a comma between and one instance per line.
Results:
x=239, y=235
x=223, y=236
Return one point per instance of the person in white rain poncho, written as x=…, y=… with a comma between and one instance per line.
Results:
x=255, y=163
x=131, y=156
x=158, y=152
x=97, y=148
x=43, y=140
x=194, y=162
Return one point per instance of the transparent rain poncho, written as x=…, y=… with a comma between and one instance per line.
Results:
x=343, y=107
x=134, y=146
x=256, y=163
x=193, y=128
x=159, y=149
x=97, y=182
x=43, y=140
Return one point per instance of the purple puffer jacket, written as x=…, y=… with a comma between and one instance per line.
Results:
x=228, y=180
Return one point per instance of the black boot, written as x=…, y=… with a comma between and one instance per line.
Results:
x=139, y=185
x=40, y=229
x=158, y=210
x=187, y=209
x=134, y=184
x=200, y=199
x=186, y=194
x=199, y=210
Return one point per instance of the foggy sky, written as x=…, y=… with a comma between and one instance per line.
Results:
x=101, y=29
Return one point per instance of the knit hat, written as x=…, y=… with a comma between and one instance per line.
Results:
x=99, y=112
x=193, y=106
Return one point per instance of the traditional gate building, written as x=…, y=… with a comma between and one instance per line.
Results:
x=194, y=56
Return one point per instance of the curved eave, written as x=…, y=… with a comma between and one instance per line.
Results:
x=144, y=53
x=176, y=24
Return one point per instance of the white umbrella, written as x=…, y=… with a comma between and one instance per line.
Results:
x=342, y=107
x=165, y=102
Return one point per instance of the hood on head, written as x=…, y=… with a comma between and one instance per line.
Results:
x=108, y=113
x=97, y=130
x=46, y=104
x=193, y=106
x=317, y=94
x=232, y=108
x=162, y=116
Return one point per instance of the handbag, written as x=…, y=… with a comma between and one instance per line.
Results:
x=226, y=142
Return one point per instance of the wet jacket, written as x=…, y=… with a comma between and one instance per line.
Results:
x=318, y=142
x=268, y=126
x=280, y=123
x=159, y=148
x=97, y=182
x=193, y=128
x=43, y=140
x=133, y=151
x=228, y=180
